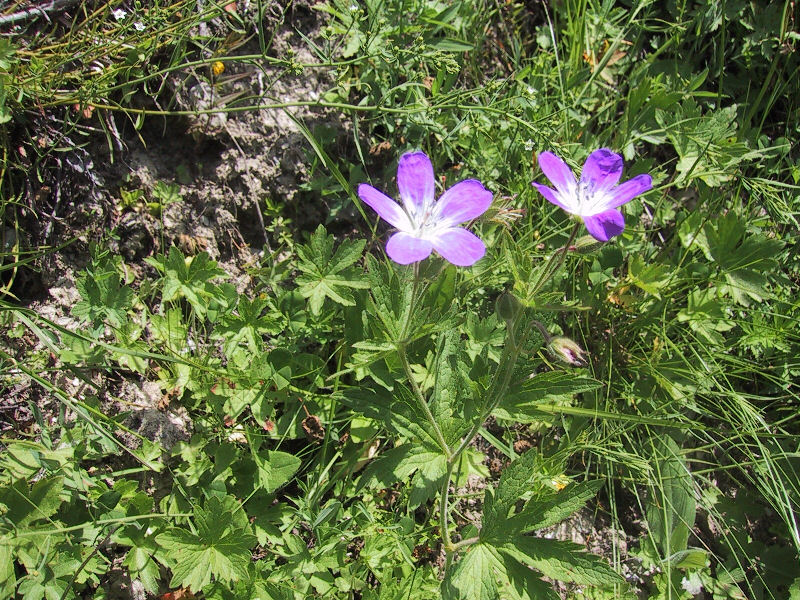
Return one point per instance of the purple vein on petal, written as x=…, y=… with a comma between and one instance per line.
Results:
x=459, y=246
x=602, y=169
x=605, y=225
x=551, y=196
x=405, y=248
x=389, y=210
x=557, y=171
x=627, y=191
x=465, y=201
x=416, y=182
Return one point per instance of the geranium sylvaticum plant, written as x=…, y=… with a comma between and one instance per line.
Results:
x=595, y=197
x=425, y=224
x=433, y=426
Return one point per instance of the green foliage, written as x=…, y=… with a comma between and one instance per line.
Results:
x=219, y=549
x=326, y=274
x=103, y=297
x=671, y=506
x=189, y=278
x=346, y=427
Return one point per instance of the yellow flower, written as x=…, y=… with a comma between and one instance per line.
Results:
x=217, y=67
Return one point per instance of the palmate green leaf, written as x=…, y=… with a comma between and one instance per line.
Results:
x=277, y=469
x=706, y=144
x=27, y=505
x=705, y=315
x=397, y=464
x=390, y=297
x=486, y=573
x=745, y=260
x=538, y=514
x=427, y=480
x=524, y=583
x=103, y=297
x=515, y=481
x=8, y=578
x=525, y=474
x=397, y=411
x=325, y=274
x=199, y=559
x=650, y=276
x=45, y=584
x=427, y=467
x=389, y=301
x=220, y=549
x=170, y=329
x=475, y=575
x=190, y=278
x=20, y=461
x=563, y=561
x=452, y=395
x=54, y=575
x=141, y=566
x=248, y=324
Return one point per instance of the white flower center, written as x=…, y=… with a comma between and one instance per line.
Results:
x=590, y=199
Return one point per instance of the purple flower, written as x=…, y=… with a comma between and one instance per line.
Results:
x=425, y=225
x=596, y=197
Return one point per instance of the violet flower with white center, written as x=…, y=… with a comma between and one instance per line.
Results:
x=424, y=224
x=596, y=197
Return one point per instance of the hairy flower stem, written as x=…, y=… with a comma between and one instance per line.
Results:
x=497, y=389
x=401, y=353
x=559, y=255
x=543, y=331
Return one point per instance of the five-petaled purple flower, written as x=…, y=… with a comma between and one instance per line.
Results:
x=596, y=197
x=425, y=225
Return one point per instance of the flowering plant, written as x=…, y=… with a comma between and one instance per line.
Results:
x=596, y=197
x=434, y=419
x=425, y=225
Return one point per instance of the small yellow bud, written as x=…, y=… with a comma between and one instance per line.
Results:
x=217, y=67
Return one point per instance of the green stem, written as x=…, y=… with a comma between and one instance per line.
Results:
x=543, y=331
x=444, y=511
x=560, y=255
x=465, y=542
x=497, y=389
x=401, y=353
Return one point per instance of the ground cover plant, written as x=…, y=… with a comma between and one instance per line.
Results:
x=399, y=299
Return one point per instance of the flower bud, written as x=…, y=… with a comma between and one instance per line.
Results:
x=586, y=245
x=507, y=306
x=568, y=351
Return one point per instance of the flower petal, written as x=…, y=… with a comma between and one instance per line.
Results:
x=389, y=210
x=602, y=169
x=464, y=201
x=459, y=246
x=557, y=171
x=415, y=182
x=551, y=196
x=629, y=190
x=405, y=248
x=605, y=225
